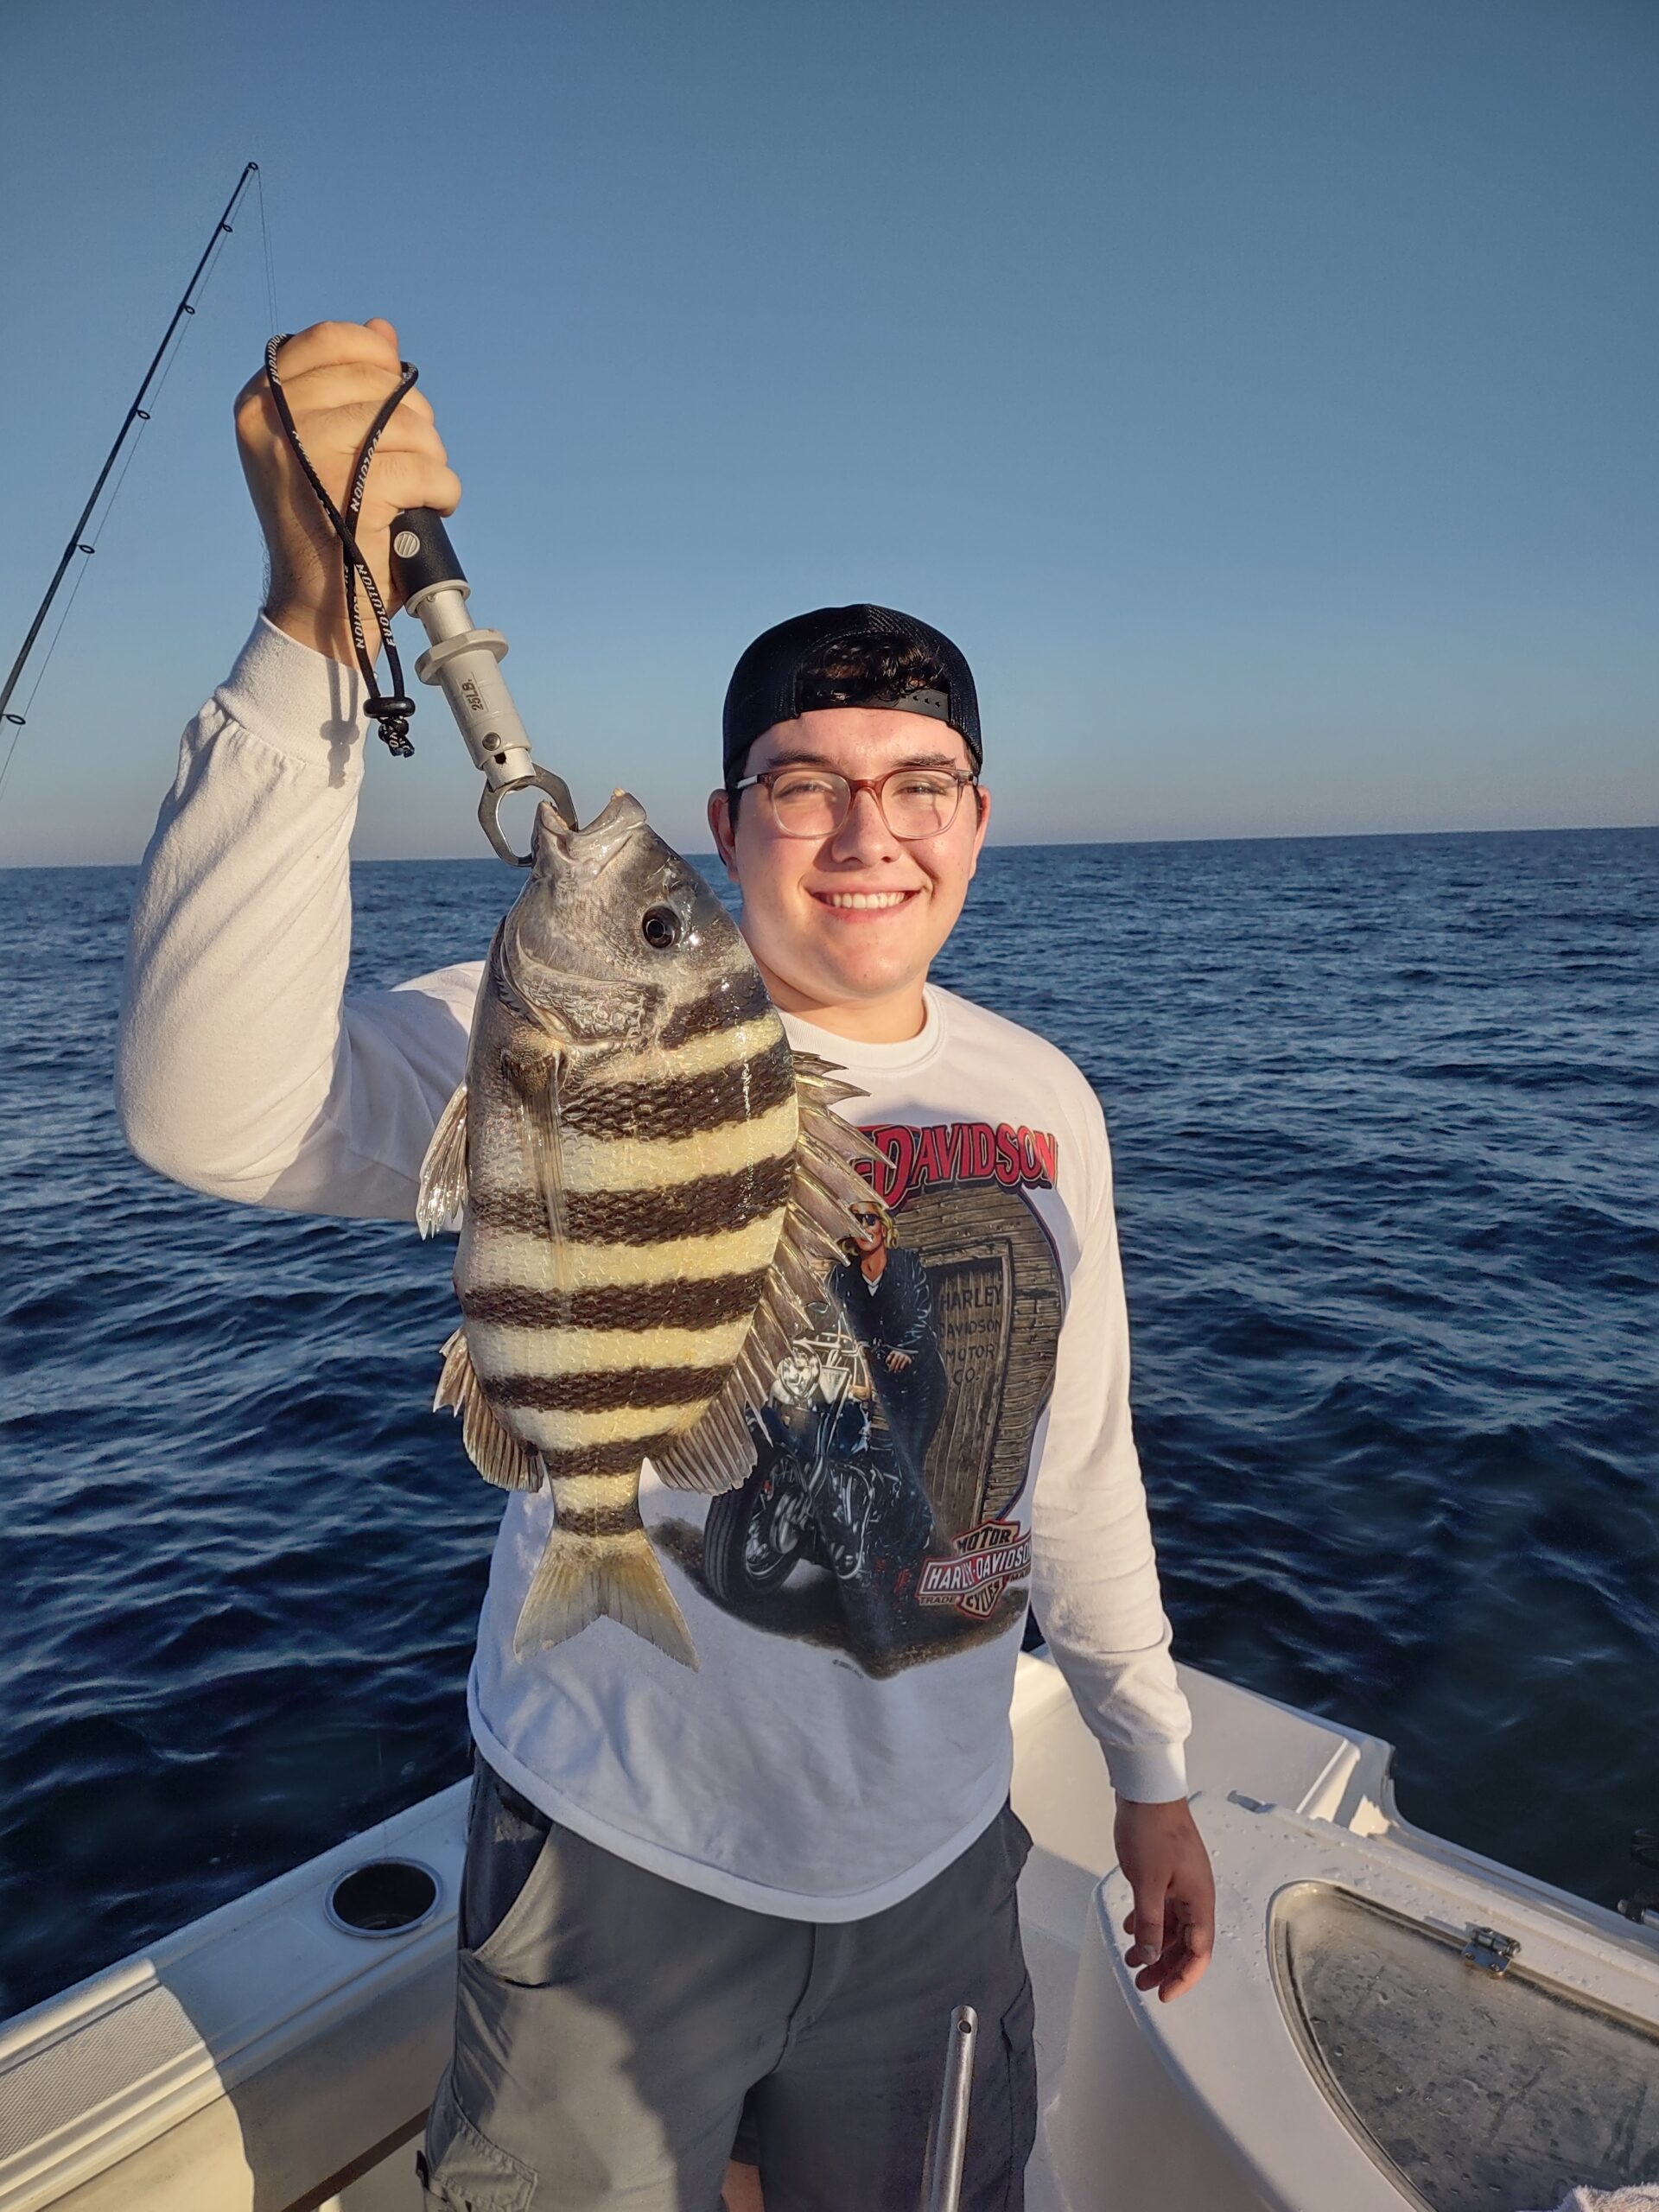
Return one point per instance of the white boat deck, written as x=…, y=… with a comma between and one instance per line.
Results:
x=262, y=2060
x=1061, y=1792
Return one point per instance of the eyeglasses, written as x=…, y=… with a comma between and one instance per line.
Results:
x=914, y=803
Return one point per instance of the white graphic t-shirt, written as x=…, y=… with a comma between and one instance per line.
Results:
x=948, y=1439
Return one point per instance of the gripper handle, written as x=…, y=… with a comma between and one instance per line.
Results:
x=423, y=558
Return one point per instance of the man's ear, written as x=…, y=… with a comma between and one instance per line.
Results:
x=984, y=823
x=719, y=822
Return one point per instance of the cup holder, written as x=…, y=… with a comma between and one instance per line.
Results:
x=383, y=1897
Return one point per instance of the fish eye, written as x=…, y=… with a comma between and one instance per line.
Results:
x=660, y=928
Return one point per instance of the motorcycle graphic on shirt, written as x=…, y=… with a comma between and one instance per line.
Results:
x=894, y=1447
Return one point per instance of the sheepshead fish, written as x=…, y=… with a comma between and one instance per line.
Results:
x=651, y=1187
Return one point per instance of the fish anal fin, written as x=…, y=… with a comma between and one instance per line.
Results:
x=580, y=1579
x=443, y=1171
x=499, y=1456
x=717, y=1451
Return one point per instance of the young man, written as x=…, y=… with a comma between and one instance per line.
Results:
x=733, y=1908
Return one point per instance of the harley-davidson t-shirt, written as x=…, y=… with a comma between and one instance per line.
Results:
x=947, y=1441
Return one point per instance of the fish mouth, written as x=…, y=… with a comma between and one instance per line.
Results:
x=554, y=844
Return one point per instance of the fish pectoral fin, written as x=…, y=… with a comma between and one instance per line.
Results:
x=534, y=1080
x=581, y=1580
x=499, y=1457
x=443, y=1171
x=717, y=1451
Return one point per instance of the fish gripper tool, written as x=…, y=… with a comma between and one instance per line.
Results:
x=465, y=663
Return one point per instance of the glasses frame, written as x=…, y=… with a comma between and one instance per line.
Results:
x=876, y=785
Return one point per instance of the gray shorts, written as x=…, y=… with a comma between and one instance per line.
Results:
x=618, y=2036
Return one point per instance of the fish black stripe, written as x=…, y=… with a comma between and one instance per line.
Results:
x=600, y=1520
x=600, y=1389
x=742, y=1000
x=620, y=1456
x=691, y=1304
x=682, y=1106
x=706, y=1206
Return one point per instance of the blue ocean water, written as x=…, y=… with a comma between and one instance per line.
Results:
x=1386, y=1134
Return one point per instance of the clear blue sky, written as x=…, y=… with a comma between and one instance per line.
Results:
x=1261, y=392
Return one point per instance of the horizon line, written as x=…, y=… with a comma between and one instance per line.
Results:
x=1032, y=845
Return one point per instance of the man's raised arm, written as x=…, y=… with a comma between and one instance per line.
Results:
x=242, y=1069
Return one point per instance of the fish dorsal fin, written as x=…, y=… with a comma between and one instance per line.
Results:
x=717, y=1451
x=443, y=1171
x=500, y=1459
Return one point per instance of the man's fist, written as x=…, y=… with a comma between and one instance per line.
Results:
x=336, y=377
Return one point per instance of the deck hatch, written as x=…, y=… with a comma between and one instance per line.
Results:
x=1473, y=2089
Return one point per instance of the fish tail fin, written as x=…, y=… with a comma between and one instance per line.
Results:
x=583, y=1579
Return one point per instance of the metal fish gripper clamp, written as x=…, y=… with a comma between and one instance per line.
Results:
x=465, y=664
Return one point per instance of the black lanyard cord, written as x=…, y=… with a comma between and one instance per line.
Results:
x=391, y=711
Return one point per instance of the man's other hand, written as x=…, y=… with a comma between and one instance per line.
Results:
x=1173, y=1923
x=336, y=376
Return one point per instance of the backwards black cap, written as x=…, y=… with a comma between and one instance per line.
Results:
x=783, y=673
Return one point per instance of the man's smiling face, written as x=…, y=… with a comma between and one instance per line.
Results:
x=845, y=927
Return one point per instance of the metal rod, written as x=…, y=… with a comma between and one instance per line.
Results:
x=133, y=414
x=942, y=2191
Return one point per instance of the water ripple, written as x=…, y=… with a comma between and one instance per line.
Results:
x=1387, y=1139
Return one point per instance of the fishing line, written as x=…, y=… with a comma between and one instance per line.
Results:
x=46, y=662
x=270, y=266
x=391, y=711
x=88, y=546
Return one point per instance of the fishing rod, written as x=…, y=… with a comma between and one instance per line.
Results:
x=135, y=413
x=461, y=659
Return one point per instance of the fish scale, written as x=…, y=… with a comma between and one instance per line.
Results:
x=652, y=1186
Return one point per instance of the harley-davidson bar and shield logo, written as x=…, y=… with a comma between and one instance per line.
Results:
x=973, y=1578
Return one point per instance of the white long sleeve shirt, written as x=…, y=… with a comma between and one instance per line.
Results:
x=959, y=1429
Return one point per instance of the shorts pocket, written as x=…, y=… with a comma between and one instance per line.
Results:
x=1017, y=1837
x=507, y=1838
x=461, y=2171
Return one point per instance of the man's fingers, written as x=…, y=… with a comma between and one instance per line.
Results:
x=328, y=342
x=348, y=394
x=415, y=480
x=337, y=435
x=1188, y=1969
x=355, y=384
x=334, y=386
x=1177, y=1960
x=1181, y=1968
x=1146, y=1925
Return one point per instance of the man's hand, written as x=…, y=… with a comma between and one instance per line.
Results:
x=1173, y=1923
x=336, y=376
x=898, y=1361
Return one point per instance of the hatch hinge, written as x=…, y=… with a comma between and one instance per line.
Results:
x=1488, y=1950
